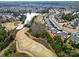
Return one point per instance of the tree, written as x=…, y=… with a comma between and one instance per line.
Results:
x=75, y=45
x=68, y=17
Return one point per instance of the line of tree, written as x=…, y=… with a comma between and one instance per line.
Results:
x=5, y=39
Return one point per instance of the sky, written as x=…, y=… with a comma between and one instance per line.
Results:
x=39, y=0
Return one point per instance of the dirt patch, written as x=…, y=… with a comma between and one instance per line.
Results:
x=20, y=55
x=40, y=40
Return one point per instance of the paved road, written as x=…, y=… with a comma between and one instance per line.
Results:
x=53, y=24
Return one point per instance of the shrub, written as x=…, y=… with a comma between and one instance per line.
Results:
x=68, y=17
x=75, y=45
x=5, y=39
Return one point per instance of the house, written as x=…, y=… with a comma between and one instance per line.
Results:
x=74, y=23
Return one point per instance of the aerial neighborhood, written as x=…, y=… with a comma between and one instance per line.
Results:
x=35, y=29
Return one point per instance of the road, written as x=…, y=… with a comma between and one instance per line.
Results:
x=54, y=26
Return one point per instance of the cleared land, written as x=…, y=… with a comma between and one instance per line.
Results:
x=24, y=44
